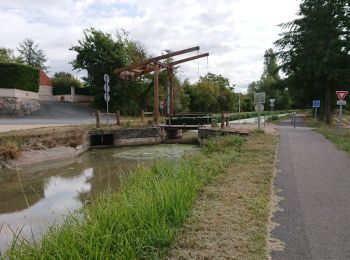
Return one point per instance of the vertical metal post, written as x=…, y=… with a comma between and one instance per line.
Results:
x=340, y=116
x=295, y=117
x=259, y=117
x=271, y=113
x=239, y=108
x=107, y=112
x=98, y=120
x=316, y=116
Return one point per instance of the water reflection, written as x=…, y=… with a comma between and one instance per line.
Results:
x=47, y=192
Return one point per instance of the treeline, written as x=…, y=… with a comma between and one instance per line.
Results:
x=314, y=53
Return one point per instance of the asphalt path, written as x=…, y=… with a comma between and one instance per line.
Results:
x=313, y=177
x=52, y=112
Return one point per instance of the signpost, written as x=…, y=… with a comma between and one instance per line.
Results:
x=239, y=108
x=259, y=100
x=272, y=104
x=341, y=102
x=316, y=104
x=107, y=89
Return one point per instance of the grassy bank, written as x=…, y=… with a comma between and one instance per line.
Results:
x=340, y=137
x=141, y=220
x=14, y=142
x=229, y=220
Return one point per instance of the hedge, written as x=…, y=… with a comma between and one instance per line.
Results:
x=19, y=76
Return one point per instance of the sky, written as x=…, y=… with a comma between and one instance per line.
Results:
x=236, y=33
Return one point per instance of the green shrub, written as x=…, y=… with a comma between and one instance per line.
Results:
x=19, y=76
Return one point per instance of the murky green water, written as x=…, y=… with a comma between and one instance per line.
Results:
x=38, y=196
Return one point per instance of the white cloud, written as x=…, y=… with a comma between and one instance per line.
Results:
x=235, y=32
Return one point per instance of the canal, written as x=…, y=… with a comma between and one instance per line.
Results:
x=33, y=198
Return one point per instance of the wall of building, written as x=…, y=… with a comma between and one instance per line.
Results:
x=45, y=93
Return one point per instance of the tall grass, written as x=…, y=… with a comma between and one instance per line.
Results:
x=142, y=219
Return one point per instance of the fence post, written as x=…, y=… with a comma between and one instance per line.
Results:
x=142, y=115
x=222, y=120
x=98, y=119
x=118, y=117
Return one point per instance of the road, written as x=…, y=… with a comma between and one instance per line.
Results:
x=53, y=113
x=313, y=177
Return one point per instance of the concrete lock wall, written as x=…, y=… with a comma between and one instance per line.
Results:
x=126, y=137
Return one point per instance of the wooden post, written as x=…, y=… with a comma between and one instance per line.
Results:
x=142, y=115
x=155, y=96
x=222, y=120
x=98, y=119
x=171, y=94
x=227, y=119
x=118, y=117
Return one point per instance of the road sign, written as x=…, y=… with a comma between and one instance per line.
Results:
x=341, y=102
x=259, y=107
x=272, y=101
x=106, y=88
x=106, y=78
x=259, y=98
x=107, y=97
x=341, y=94
x=316, y=103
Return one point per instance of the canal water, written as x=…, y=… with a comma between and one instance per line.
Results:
x=36, y=197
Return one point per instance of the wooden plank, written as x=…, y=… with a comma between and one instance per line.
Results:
x=156, y=59
x=156, y=96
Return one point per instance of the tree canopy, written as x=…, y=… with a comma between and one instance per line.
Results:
x=30, y=54
x=6, y=55
x=100, y=53
x=271, y=83
x=314, y=51
x=64, y=79
x=212, y=93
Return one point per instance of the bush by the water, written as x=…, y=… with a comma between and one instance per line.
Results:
x=142, y=219
x=19, y=76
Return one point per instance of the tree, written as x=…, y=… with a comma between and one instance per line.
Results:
x=315, y=51
x=212, y=93
x=64, y=79
x=100, y=53
x=6, y=55
x=271, y=83
x=30, y=54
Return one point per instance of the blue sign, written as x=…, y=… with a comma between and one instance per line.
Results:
x=316, y=103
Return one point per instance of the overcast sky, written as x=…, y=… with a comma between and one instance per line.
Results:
x=236, y=33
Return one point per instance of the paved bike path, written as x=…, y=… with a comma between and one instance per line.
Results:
x=314, y=180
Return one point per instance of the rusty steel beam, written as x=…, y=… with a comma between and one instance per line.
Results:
x=155, y=59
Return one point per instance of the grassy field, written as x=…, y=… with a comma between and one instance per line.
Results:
x=229, y=220
x=141, y=220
